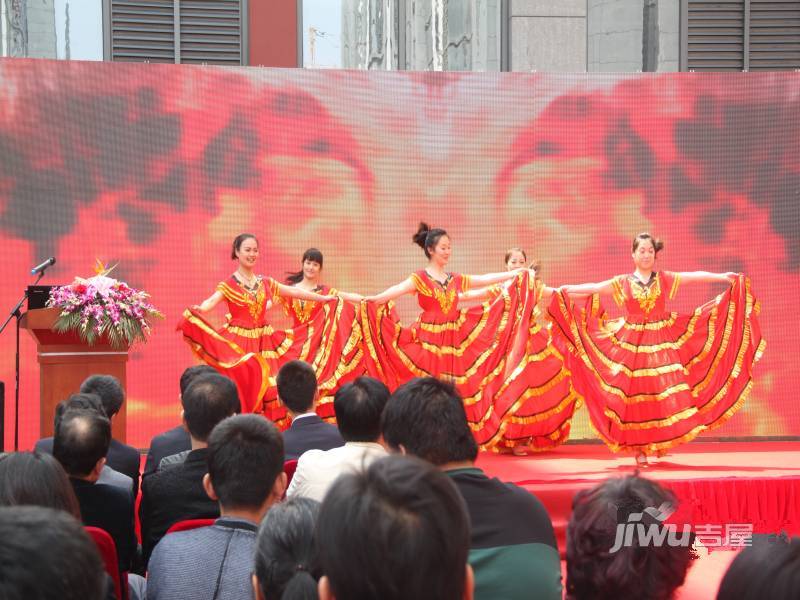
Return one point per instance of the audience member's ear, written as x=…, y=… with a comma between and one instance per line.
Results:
x=279, y=487
x=209, y=487
x=256, y=588
x=97, y=468
x=183, y=421
x=402, y=449
x=469, y=585
x=324, y=589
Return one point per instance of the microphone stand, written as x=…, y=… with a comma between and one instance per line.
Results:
x=17, y=314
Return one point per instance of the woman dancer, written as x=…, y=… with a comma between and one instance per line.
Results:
x=246, y=348
x=654, y=379
x=476, y=348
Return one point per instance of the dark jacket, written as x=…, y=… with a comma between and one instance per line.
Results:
x=166, y=444
x=310, y=433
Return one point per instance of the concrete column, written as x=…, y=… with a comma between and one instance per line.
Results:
x=548, y=35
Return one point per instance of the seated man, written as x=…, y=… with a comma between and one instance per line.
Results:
x=599, y=567
x=175, y=442
x=245, y=474
x=177, y=493
x=358, y=408
x=513, y=549
x=297, y=389
x=88, y=402
x=396, y=531
x=46, y=554
x=80, y=445
x=121, y=457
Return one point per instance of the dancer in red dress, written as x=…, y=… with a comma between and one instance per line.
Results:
x=246, y=348
x=654, y=379
x=476, y=348
x=536, y=403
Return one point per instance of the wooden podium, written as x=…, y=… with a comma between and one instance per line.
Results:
x=65, y=361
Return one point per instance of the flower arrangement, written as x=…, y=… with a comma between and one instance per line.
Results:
x=102, y=306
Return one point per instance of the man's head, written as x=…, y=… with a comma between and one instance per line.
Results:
x=109, y=389
x=397, y=530
x=46, y=554
x=245, y=463
x=79, y=401
x=208, y=400
x=297, y=386
x=599, y=566
x=358, y=407
x=192, y=373
x=81, y=443
x=426, y=418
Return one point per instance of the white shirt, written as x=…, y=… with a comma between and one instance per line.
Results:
x=318, y=469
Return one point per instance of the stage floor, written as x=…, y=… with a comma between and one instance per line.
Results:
x=717, y=483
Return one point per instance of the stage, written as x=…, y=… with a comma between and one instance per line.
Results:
x=717, y=483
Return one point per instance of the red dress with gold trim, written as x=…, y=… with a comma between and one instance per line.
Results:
x=654, y=379
x=535, y=405
x=250, y=351
x=478, y=349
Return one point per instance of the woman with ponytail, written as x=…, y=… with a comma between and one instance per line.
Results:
x=655, y=379
x=286, y=565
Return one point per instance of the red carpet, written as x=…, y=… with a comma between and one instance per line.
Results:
x=716, y=484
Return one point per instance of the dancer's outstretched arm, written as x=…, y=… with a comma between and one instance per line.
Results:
x=400, y=289
x=209, y=303
x=479, y=281
x=706, y=277
x=350, y=296
x=587, y=289
x=301, y=294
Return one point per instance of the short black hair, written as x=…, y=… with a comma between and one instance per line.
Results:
x=82, y=439
x=297, y=386
x=358, y=407
x=770, y=568
x=46, y=554
x=397, y=530
x=287, y=560
x=426, y=416
x=79, y=401
x=37, y=479
x=245, y=457
x=208, y=400
x=593, y=571
x=192, y=373
x=109, y=389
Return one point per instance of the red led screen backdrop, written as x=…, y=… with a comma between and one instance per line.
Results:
x=158, y=167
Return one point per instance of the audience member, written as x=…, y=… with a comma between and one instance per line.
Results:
x=80, y=445
x=286, y=562
x=770, y=568
x=174, y=442
x=45, y=554
x=596, y=572
x=31, y=478
x=513, y=547
x=245, y=474
x=358, y=408
x=297, y=389
x=177, y=493
x=398, y=530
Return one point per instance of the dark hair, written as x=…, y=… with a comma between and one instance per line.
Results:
x=297, y=386
x=426, y=416
x=31, y=478
x=397, y=530
x=311, y=254
x=593, y=571
x=192, y=373
x=511, y=251
x=245, y=457
x=81, y=439
x=207, y=401
x=286, y=561
x=427, y=238
x=358, y=407
x=46, y=554
x=658, y=245
x=108, y=388
x=79, y=401
x=239, y=240
x=770, y=568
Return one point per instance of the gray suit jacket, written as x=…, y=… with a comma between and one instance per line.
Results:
x=210, y=562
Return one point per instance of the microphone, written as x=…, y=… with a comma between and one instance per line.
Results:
x=41, y=268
